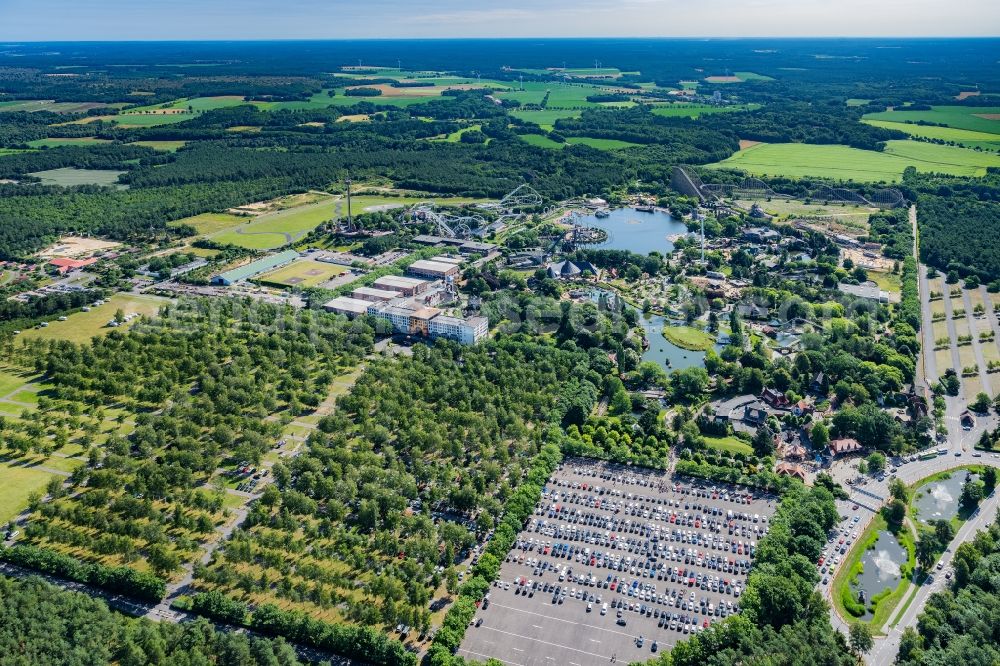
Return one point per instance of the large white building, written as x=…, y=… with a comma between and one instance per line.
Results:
x=432, y=269
x=410, y=318
x=466, y=331
x=345, y=305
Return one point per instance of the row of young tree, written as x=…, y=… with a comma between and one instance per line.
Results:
x=192, y=391
x=420, y=459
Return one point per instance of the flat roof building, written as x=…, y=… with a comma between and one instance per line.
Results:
x=867, y=290
x=448, y=259
x=407, y=286
x=466, y=331
x=405, y=316
x=427, y=239
x=345, y=305
x=255, y=268
x=373, y=294
x=410, y=318
x=433, y=269
x=475, y=247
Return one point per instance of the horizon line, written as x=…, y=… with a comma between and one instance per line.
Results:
x=501, y=37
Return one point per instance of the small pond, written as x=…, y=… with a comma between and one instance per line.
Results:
x=882, y=568
x=938, y=500
x=635, y=231
x=661, y=351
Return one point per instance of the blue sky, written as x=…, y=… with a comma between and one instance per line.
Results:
x=41, y=20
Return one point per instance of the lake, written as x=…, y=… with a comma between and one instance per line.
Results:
x=628, y=229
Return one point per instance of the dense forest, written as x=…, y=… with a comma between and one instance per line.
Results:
x=681, y=140
x=804, y=123
x=41, y=624
x=960, y=233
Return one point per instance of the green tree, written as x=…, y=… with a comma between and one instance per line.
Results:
x=763, y=442
x=860, y=639
x=689, y=383
x=981, y=404
x=973, y=492
x=894, y=513
x=876, y=462
x=989, y=479
x=927, y=550
x=819, y=436
x=944, y=532
x=897, y=490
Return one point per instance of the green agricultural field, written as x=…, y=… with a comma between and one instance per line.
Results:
x=52, y=106
x=546, y=118
x=455, y=137
x=974, y=118
x=82, y=326
x=853, y=216
x=209, y=103
x=564, y=95
x=592, y=71
x=279, y=228
x=752, y=76
x=889, y=282
x=165, y=146
x=560, y=95
x=603, y=144
x=855, y=101
x=685, y=110
x=19, y=482
x=797, y=160
x=320, y=100
x=68, y=176
x=191, y=104
x=524, y=96
x=12, y=151
x=302, y=273
x=140, y=120
x=69, y=141
x=210, y=223
x=967, y=138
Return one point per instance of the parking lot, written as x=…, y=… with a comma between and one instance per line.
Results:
x=618, y=563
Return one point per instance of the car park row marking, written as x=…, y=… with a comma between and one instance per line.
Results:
x=559, y=619
x=487, y=656
x=539, y=640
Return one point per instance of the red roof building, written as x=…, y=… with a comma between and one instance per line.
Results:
x=839, y=447
x=790, y=469
x=65, y=264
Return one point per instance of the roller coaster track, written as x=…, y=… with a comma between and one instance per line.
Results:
x=755, y=188
x=512, y=207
